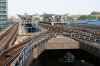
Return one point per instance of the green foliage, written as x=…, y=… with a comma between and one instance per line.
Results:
x=95, y=13
x=69, y=18
x=83, y=17
x=91, y=17
x=98, y=18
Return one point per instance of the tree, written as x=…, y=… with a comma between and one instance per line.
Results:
x=95, y=13
x=98, y=18
x=83, y=17
x=69, y=18
x=91, y=17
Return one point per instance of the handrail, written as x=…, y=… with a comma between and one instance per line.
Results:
x=34, y=43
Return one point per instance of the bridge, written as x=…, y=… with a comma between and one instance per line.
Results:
x=79, y=41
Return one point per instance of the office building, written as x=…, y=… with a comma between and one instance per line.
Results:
x=3, y=11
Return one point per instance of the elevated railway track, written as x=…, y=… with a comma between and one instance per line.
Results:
x=7, y=58
x=78, y=32
x=10, y=54
x=7, y=36
x=89, y=41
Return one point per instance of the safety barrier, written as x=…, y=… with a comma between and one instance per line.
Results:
x=26, y=55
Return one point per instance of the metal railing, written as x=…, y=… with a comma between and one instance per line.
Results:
x=22, y=57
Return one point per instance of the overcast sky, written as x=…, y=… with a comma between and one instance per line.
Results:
x=52, y=6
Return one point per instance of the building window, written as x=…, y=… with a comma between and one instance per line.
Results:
x=1, y=8
x=3, y=17
x=3, y=0
x=2, y=12
x=2, y=4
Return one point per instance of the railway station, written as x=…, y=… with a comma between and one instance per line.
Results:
x=48, y=40
x=28, y=48
x=29, y=24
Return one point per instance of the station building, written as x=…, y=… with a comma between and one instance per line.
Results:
x=29, y=23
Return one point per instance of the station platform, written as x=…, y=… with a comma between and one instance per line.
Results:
x=23, y=34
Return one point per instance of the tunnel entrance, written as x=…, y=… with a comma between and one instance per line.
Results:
x=65, y=57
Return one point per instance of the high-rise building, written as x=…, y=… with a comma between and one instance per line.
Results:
x=3, y=11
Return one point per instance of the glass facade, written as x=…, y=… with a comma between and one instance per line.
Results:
x=3, y=11
x=2, y=0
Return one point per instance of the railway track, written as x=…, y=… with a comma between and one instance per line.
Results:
x=6, y=38
x=80, y=33
x=70, y=28
x=3, y=34
x=10, y=54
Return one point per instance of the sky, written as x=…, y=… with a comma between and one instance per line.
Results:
x=72, y=7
